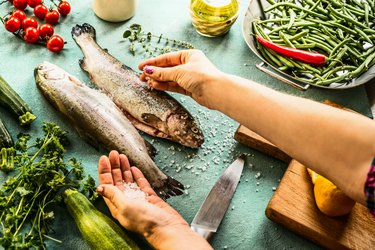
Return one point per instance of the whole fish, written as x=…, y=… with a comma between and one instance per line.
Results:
x=154, y=112
x=97, y=118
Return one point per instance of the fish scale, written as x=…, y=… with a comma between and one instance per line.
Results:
x=101, y=121
x=154, y=112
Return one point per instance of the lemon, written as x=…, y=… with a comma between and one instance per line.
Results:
x=329, y=198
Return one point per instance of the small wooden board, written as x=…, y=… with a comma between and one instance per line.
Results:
x=293, y=204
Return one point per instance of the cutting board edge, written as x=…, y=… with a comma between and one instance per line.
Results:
x=302, y=230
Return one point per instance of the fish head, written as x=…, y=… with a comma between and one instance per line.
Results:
x=185, y=130
x=48, y=72
x=52, y=81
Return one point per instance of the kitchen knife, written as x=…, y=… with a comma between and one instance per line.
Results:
x=211, y=212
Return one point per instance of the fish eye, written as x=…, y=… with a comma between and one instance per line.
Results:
x=195, y=130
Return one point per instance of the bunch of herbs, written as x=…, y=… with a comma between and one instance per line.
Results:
x=151, y=44
x=37, y=174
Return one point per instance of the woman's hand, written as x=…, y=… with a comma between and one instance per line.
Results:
x=151, y=217
x=187, y=72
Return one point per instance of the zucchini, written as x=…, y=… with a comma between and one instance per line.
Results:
x=99, y=231
x=12, y=101
x=5, y=138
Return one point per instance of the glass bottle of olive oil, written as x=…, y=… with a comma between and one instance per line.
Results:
x=213, y=17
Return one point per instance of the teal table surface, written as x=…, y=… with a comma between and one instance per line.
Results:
x=245, y=225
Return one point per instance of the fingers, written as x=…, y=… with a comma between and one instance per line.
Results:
x=104, y=170
x=166, y=86
x=142, y=182
x=166, y=60
x=125, y=168
x=114, y=159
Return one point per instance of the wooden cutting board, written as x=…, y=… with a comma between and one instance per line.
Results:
x=293, y=205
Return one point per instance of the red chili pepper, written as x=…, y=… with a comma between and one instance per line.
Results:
x=297, y=54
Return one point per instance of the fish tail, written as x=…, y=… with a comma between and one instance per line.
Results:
x=85, y=28
x=170, y=188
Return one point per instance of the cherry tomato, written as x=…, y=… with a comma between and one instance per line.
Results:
x=19, y=14
x=52, y=17
x=12, y=24
x=31, y=35
x=20, y=4
x=64, y=8
x=33, y=3
x=45, y=30
x=40, y=11
x=55, y=44
x=29, y=22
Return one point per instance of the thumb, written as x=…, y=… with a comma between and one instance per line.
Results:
x=112, y=193
x=161, y=74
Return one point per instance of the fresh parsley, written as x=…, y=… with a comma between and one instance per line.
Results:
x=37, y=176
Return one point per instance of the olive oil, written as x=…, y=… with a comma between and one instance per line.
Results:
x=213, y=17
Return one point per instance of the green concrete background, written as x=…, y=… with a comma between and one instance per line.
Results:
x=245, y=225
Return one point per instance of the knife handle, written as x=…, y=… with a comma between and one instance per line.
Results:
x=205, y=233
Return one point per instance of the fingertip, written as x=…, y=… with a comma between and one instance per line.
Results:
x=100, y=189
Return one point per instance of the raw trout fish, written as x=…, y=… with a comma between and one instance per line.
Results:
x=99, y=120
x=154, y=112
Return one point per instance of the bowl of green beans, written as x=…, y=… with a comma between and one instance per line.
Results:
x=323, y=43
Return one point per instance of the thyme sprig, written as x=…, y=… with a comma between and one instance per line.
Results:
x=150, y=43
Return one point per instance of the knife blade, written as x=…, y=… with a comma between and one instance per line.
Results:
x=210, y=214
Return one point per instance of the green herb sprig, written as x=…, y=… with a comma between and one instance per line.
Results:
x=38, y=174
x=151, y=44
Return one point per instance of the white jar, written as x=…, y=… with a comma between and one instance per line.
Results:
x=114, y=10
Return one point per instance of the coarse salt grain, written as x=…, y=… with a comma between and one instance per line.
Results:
x=132, y=191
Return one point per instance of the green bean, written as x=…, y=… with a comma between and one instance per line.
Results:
x=305, y=46
x=265, y=56
x=363, y=34
x=296, y=24
x=292, y=15
x=299, y=35
x=320, y=44
x=344, y=76
x=309, y=67
x=323, y=17
x=334, y=61
x=366, y=14
x=337, y=69
x=273, y=58
x=324, y=39
x=282, y=59
x=311, y=3
x=340, y=34
x=369, y=31
x=349, y=20
x=361, y=67
x=283, y=68
x=338, y=46
x=286, y=40
x=369, y=51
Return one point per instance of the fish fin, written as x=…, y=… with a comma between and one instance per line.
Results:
x=170, y=188
x=82, y=64
x=150, y=149
x=151, y=119
x=85, y=28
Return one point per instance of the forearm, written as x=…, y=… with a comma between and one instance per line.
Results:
x=179, y=238
x=335, y=143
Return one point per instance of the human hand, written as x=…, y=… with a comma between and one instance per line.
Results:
x=187, y=72
x=151, y=217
